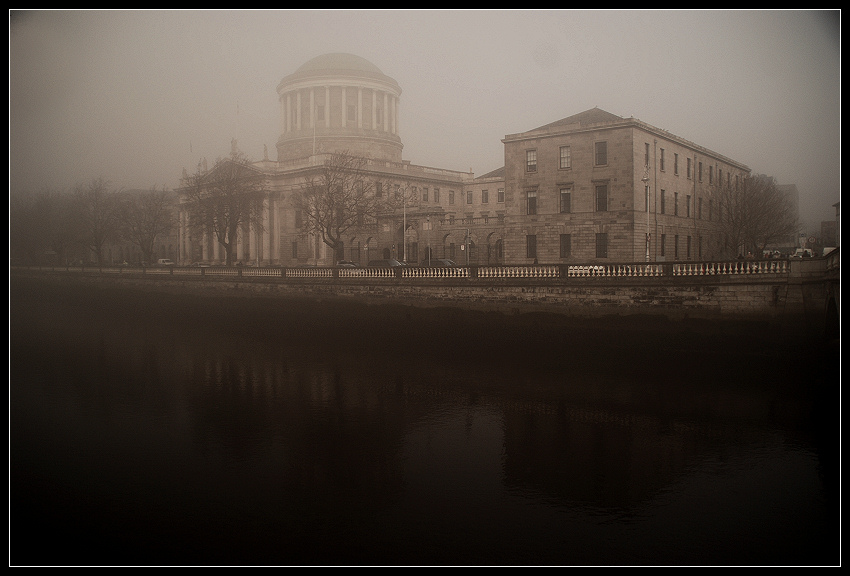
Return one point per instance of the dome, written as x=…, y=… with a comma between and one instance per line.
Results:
x=339, y=61
x=339, y=102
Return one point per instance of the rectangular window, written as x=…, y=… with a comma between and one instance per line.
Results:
x=531, y=160
x=451, y=196
x=675, y=164
x=565, y=201
x=646, y=154
x=710, y=209
x=663, y=202
x=531, y=202
x=602, y=198
x=531, y=246
x=452, y=251
x=601, y=245
x=689, y=168
x=566, y=245
x=711, y=174
x=501, y=195
x=379, y=189
x=437, y=195
x=298, y=221
x=675, y=203
x=688, y=205
x=566, y=160
x=469, y=196
x=688, y=256
x=295, y=249
x=485, y=196
x=676, y=247
x=663, y=245
x=600, y=153
x=424, y=194
x=699, y=209
x=661, y=160
x=699, y=175
x=352, y=114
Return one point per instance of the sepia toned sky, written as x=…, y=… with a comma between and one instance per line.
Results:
x=136, y=96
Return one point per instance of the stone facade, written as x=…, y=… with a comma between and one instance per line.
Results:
x=598, y=187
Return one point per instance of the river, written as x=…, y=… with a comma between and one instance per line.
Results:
x=165, y=429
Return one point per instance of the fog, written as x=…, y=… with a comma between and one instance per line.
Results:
x=136, y=96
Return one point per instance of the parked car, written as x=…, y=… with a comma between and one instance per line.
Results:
x=165, y=262
x=385, y=263
x=347, y=264
x=200, y=265
x=439, y=262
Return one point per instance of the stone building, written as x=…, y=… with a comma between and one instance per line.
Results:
x=598, y=187
x=590, y=187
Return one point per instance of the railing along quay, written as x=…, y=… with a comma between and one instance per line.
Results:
x=737, y=268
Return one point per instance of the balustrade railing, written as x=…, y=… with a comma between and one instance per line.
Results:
x=416, y=273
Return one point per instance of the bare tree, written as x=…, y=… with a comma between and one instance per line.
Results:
x=754, y=215
x=96, y=211
x=338, y=198
x=225, y=199
x=145, y=217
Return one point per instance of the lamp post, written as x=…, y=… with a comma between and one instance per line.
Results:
x=404, y=224
x=645, y=181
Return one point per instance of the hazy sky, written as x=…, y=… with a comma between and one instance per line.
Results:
x=135, y=96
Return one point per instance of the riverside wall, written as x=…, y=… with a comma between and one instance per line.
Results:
x=792, y=303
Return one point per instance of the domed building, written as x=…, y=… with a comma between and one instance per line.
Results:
x=342, y=103
x=337, y=102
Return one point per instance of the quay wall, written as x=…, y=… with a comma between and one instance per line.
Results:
x=792, y=304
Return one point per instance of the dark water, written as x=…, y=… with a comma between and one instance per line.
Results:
x=168, y=429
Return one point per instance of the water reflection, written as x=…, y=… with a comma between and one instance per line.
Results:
x=176, y=438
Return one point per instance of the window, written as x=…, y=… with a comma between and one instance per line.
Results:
x=298, y=219
x=661, y=160
x=469, y=196
x=437, y=195
x=566, y=245
x=531, y=160
x=700, y=172
x=646, y=154
x=352, y=113
x=424, y=194
x=688, y=256
x=699, y=209
x=295, y=249
x=676, y=247
x=688, y=205
x=601, y=245
x=485, y=196
x=711, y=174
x=565, y=201
x=566, y=161
x=710, y=209
x=501, y=195
x=675, y=203
x=320, y=112
x=663, y=244
x=531, y=246
x=600, y=153
x=663, y=202
x=531, y=202
x=675, y=164
x=689, y=168
x=379, y=189
x=452, y=251
x=451, y=196
x=602, y=198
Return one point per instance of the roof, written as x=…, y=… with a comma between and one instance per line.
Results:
x=339, y=61
x=595, y=115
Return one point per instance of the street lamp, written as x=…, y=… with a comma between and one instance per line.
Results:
x=645, y=181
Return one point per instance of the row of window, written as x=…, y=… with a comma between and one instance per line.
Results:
x=566, y=246
x=565, y=200
x=600, y=158
x=433, y=195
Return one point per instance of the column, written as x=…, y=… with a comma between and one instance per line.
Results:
x=266, y=232
x=344, y=107
x=360, y=107
x=288, y=119
x=386, y=112
x=298, y=110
